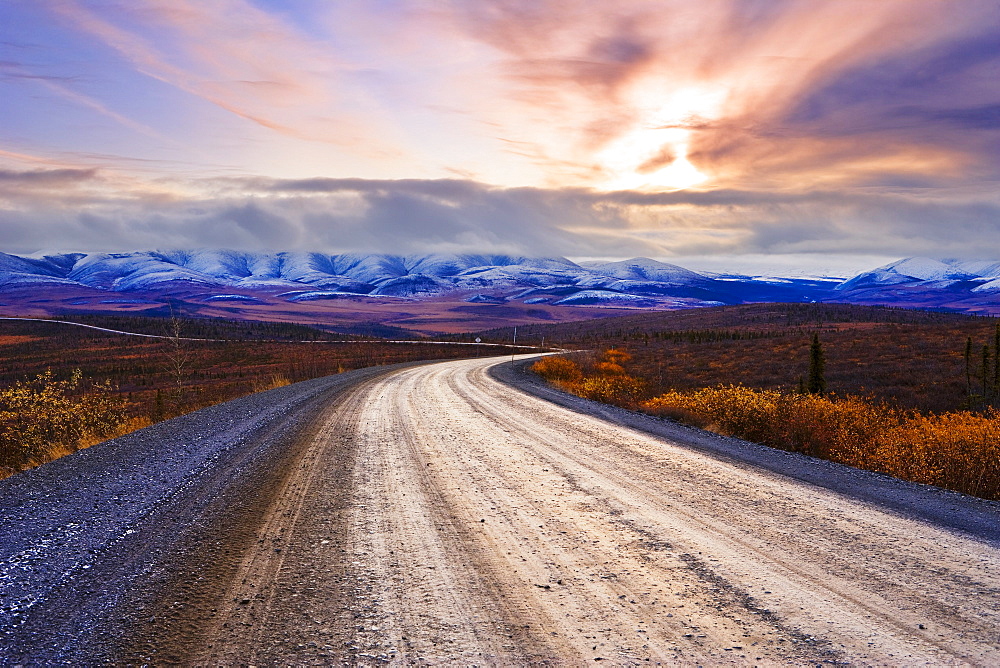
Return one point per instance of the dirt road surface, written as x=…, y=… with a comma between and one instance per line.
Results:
x=439, y=515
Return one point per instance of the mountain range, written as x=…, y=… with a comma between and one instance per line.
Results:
x=98, y=280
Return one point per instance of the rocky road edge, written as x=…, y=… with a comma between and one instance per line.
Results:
x=90, y=543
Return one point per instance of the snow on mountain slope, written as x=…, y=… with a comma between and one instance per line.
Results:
x=412, y=285
x=605, y=297
x=305, y=276
x=134, y=271
x=514, y=276
x=368, y=268
x=13, y=264
x=644, y=269
x=440, y=264
x=922, y=270
x=11, y=279
x=988, y=288
x=226, y=264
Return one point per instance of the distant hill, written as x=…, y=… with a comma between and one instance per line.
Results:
x=279, y=275
x=238, y=282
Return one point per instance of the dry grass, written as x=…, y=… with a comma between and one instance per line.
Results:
x=912, y=359
x=275, y=380
x=959, y=451
x=602, y=378
x=956, y=450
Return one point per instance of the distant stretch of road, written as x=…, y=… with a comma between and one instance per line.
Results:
x=188, y=338
x=461, y=512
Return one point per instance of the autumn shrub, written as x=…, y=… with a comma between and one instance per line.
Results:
x=609, y=369
x=959, y=451
x=264, y=383
x=601, y=379
x=558, y=369
x=829, y=428
x=44, y=417
x=621, y=390
x=616, y=356
x=729, y=410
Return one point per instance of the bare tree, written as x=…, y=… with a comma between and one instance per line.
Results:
x=178, y=352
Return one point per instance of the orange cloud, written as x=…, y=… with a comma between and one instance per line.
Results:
x=600, y=84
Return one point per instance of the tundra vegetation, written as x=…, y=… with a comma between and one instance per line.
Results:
x=63, y=388
x=910, y=394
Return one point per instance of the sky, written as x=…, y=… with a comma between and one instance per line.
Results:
x=806, y=131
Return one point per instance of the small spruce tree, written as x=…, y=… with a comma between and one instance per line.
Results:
x=968, y=366
x=986, y=370
x=817, y=366
x=996, y=361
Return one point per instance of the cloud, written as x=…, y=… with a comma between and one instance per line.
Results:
x=240, y=58
x=46, y=178
x=34, y=190
x=337, y=215
x=754, y=91
x=659, y=95
x=15, y=70
x=579, y=128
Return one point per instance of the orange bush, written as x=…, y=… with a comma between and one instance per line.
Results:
x=959, y=451
x=609, y=369
x=621, y=390
x=45, y=415
x=616, y=356
x=558, y=369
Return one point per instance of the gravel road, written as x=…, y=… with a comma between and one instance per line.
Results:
x=455, y=513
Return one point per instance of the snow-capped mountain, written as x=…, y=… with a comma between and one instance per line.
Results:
x=921, y=282
x=220, y=276
x=926, y=272
x=642, y=269
x=316, y=275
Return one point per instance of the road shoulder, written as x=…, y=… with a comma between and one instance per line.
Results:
x=967, y=515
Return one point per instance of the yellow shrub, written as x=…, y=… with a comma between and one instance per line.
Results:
x=269, y=383
x=609, y=369
x=732, y=410
x=959, y=451
x=616, y=356
x=45, y=416
x=558, y=369
x=620, y=390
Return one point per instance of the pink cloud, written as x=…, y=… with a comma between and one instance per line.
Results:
x=575, y=79
x=239, y=58
x=651, y=94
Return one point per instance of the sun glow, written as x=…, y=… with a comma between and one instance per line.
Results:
x=653, y=155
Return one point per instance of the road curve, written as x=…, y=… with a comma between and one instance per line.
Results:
x=92, y=541
x=438, y=514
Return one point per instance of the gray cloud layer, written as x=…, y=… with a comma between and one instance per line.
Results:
x=452, y=215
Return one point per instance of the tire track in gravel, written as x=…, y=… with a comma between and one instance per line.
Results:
x=401, y=584
x=118, y=553
x=475, y=524
x=431, y=514
x=826, y=560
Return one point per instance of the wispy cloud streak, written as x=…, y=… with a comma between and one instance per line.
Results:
x=645, y=126
x=230, y=54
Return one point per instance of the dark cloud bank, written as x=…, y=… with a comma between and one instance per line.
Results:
x=51, y=209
